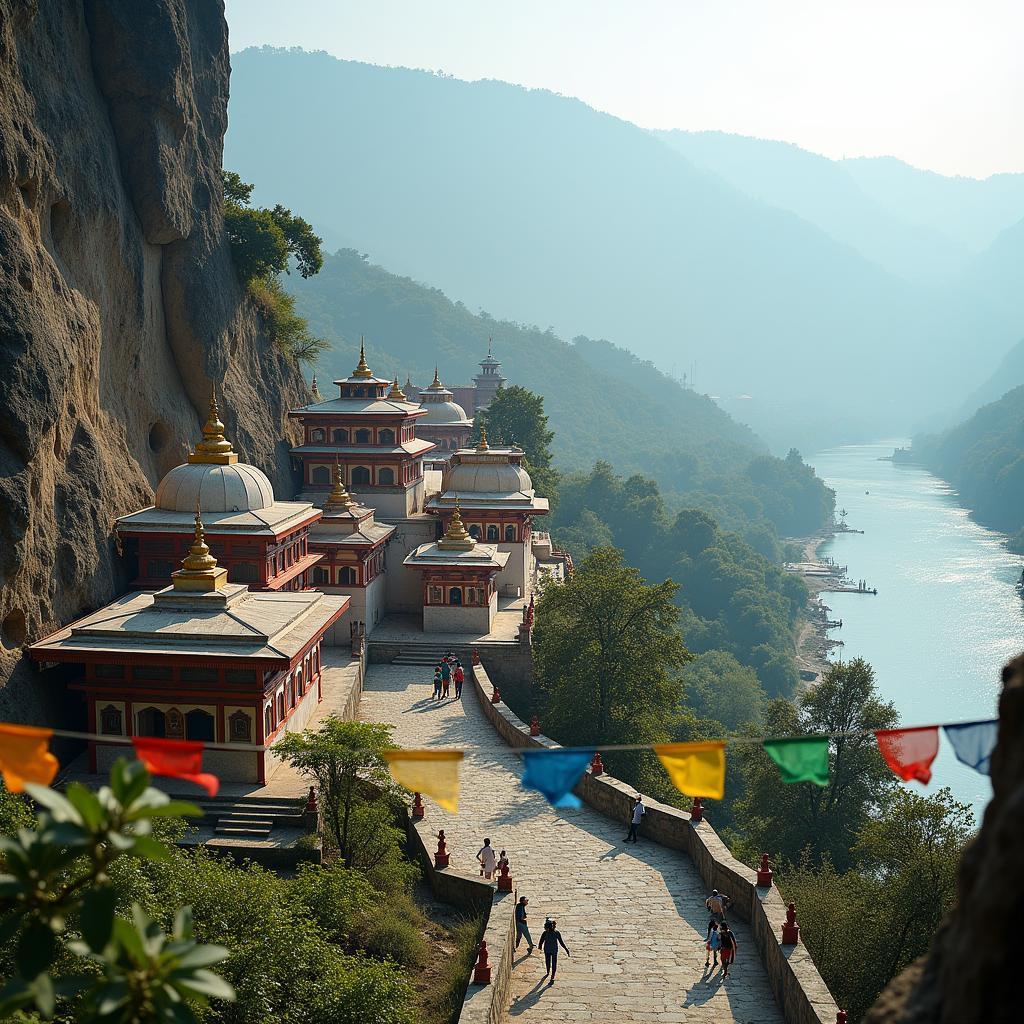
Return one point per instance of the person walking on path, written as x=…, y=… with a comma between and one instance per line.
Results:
x=522, y=928
x=729, y=946
x=549, y=943
x=638, y=812
x=460, y=678
x=717, y=903
x=437, y=684
x=446, y=677
x=713, y=945
x=487, y=861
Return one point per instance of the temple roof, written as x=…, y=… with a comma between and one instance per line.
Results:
x=417, y=446
x=281, y=517
x=457, y=549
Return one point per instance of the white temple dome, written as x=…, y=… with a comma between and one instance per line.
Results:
x=216, y=488
x=443, y=412
x=490, y=476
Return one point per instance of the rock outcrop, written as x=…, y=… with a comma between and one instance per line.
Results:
x=119, y=305
x=969, y=976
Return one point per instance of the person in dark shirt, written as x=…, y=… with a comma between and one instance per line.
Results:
x=549, y=943
x=729, y=947
x=522, y=928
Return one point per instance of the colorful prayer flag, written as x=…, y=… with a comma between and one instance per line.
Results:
x=25, y=756
x=696, y=769
x=801, y=759
x=433, y=773
x=179, y=759
x=554, y=773
x=973, y=743
x=910, y=752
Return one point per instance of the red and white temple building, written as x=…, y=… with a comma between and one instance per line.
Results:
x=370, y=430
x=201, y=659
x=261, y=541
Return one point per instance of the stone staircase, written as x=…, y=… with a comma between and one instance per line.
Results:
x=429, y=654
x=251, y=817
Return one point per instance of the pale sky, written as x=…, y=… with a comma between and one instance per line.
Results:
x=937, y=83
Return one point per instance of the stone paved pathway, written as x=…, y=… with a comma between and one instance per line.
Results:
x=632, y=916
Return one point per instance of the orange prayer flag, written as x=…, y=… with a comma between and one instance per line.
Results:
x=25, y=756
x=179, y=759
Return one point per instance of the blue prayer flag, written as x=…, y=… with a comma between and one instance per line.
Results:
x=554, y=773
x=973, y=743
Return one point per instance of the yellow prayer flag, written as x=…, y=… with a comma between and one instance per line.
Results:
x=696, y=769
x=25, y=756
x=433, y=773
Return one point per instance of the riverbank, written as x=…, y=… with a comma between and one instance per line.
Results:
x=812, y=640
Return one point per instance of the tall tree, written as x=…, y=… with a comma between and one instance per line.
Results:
x=609, y=655
x=786, y=819
x=516, y=416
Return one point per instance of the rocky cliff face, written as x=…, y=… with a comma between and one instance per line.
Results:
x=969, y=975
x=119, y=306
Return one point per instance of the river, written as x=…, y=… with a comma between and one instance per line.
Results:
x=947, y=614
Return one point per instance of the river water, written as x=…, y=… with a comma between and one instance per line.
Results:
x=947, y=614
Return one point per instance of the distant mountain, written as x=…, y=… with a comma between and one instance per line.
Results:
x=602, y=401
x=827, y=193
x=983, y=457
x=532, y=205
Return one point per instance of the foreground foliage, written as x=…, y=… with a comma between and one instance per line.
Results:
x=58, y=911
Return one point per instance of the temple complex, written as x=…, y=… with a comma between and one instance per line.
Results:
x=459, y=592
x=201, y=659
x=445, y=423
x=471, y=397
x=498, y=505
x=259, y=540
x=370, y=430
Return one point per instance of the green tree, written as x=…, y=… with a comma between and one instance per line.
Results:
x=609, y=655
x=516, y=416
x=786, y=819
x=720, y=688
x=345, y=759
x=58, y=910
x=865, y=925
x=263, y=244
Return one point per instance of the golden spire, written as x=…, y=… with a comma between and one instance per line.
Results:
x=396, y=394
x=199, y=571
x=362, y=370
x=482, y=446
x=456, y=537
x=436, y=385
x=339, y=500
x=315, y=389
x=214, y=448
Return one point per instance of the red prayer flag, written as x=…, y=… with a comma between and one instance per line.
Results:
x=910, y=752
x=180, y=759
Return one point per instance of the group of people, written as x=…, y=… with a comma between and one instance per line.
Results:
x=448, y=670
x=720, y=938
x=490, y=865
x=550, y=939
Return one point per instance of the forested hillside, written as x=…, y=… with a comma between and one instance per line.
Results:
x=983, y=458
x=603, y=403
x=535, y=206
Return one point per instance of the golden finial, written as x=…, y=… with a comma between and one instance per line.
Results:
x=436, y=384
x=362, y=370
x=488, y=344
x=482, y=446
x=315, y=389
x=396, y=394
x=214, y=448
x=456, y=537
x=199, y=570
x=339, y=500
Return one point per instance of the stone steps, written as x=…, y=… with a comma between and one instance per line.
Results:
x=233, y=829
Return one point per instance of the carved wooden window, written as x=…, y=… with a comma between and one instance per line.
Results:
x=385, y=436
x=151, y=722
x=363, y=436
x=340, y=436
x=360, y=475
x=199, y=725
x=386, y=476
x=320, y=475
x=492, y=533
x=321, y=575
x=240, y=727
x=510, y=534
x=110, y=721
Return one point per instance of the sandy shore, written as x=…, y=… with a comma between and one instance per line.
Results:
x=812, y=641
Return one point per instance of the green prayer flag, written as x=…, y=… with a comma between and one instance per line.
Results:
x=801, y=760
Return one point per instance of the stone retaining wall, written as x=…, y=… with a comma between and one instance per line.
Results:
x=482, y=1004
x=799, y=989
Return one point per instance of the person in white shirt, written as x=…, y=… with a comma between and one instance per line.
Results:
x=638, y=812
x=487, y=858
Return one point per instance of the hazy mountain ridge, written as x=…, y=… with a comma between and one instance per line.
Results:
x=536, y=206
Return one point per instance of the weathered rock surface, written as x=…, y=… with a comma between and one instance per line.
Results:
x=119, y=306
x=969, y=976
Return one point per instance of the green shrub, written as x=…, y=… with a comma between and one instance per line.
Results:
x=393, y=936
x=288, y=331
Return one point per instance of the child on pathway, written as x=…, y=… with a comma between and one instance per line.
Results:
x=446, y=677
x=729, y=946
x=549, y=943
x=437, y=684
x=713, y=945
x=460, y=677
